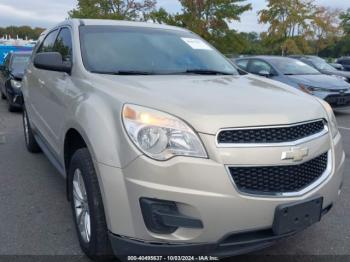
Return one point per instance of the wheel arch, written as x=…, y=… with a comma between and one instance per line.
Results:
x=73, y=141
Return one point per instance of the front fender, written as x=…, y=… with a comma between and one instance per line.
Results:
x=98, y=120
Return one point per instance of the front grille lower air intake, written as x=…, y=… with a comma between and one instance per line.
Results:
x=266, y=180
x=271, y=135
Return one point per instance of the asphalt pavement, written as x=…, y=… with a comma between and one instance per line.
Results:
x=36, y=219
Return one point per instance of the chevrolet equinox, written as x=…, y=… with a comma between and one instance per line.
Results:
x=166, y=149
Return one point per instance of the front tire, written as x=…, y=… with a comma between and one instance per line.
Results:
x=87, y=206
x=31, y=144
x=12, y=108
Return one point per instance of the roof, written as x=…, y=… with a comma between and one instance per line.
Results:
x=267, y=57
x=22, y=53
x=107, y=22
x=304, y=56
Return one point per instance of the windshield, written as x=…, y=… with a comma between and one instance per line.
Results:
x=289, y=66
x=127, y=50
x=20, y=62
x=320, y=64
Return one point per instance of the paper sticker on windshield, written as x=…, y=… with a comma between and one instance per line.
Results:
x=196, y=43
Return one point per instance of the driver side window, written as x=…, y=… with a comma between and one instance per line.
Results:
x=7, y=61
x=63, y=44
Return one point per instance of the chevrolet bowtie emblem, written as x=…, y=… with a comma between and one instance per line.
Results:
x=296, y=154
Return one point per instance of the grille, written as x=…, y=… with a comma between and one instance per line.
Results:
x=338, y=100
x=270, y=135
x=279, y=179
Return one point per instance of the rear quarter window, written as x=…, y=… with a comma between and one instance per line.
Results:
x=48, y=43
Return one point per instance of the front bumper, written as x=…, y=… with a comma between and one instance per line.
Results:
x=15, y=97
x=123, y=246
x=202, y=189
x=230, y=245
x=339, y=101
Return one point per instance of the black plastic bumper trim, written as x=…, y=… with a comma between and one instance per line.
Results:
x=230, y=245
x=178, y=220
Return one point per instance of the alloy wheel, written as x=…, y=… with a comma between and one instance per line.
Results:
x=81, y=206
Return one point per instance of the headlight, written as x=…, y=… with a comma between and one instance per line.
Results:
x=16, y=84
x=332, y=121
x=341, y=77
x=333, y=125
x=159, y=135
x=307, y=89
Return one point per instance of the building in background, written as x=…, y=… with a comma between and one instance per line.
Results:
x=8, y=45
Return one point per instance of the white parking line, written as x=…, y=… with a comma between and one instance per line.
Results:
x=344, y=128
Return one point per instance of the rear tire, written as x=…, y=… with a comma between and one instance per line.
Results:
x=87, y=207
x=3, y=97
x=31, y=144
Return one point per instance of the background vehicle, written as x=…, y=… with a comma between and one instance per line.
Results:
x=156, y=134
x=322, y=66
x=299, y=75
x=11, y=74
x=345, y=62
x=7, y=47
x=337, y=66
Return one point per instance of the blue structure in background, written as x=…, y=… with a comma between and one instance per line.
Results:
x=4, y=50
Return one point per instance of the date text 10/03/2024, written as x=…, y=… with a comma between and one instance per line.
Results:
x=172, y=258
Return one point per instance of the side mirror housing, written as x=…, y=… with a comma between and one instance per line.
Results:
x=264, y=73
x=52, y=61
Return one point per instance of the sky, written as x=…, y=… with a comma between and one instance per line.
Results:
x=45, y=13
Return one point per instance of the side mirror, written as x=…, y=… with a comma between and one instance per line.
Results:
x=264, y=73
x=52, y=61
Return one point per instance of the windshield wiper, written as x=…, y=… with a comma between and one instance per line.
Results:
x=123, y=72
x=206, y=72
x=135, y=72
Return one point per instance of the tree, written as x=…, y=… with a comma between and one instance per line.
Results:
x=345, y=21
x=113, y=9
x=325, y=27
x=161, y=16
x=252, y=44
x=289, y=24
x=341, y=47
x=21, y=31
x=210, y=19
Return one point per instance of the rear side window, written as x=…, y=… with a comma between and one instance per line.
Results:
x=63, y=44
x=48, y=44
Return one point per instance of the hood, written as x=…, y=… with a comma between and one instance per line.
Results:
x=341, y=73
x=321, y=81
x=209, y=103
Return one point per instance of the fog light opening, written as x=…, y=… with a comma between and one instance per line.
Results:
x=163, y=217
